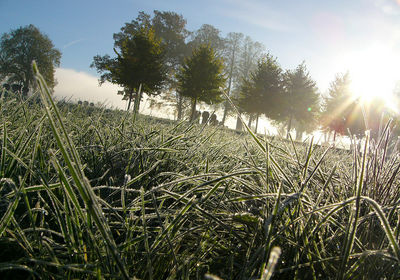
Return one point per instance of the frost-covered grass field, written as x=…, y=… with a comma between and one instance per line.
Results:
x=92, y=193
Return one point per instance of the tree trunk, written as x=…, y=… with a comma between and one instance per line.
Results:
x=226, y=105
x=257, y=117
x=334, y=138
x=289, y=127
x=250, y=120
x=136, y=103
x=130, y=101
x=180, y=106
x=239, y=125
x=193, y=114
x=26, y=87
x=138, y=97
x=299, y=134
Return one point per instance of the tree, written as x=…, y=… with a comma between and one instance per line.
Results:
x=336, y=104
x=251, y=53
x=232, y=51
x=201, y=77
x=208, y=35
x=129, y=30
x=139, y=63
x=344, y=112
x=262, y=92
x=301, y=98
x=374, y=115
x=17, y=51
x=170, y=28
x=341, y=109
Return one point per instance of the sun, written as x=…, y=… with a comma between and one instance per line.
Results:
x=374, y=72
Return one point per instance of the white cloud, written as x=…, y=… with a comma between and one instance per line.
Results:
x=76, y=86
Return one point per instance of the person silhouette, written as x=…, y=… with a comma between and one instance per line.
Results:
x=205, y=115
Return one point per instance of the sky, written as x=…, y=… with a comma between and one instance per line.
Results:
x=360, y=36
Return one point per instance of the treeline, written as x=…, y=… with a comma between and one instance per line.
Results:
x=157, y=55
x=235, y=56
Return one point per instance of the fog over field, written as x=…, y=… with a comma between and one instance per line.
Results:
x=77, y=85
x=81, y=86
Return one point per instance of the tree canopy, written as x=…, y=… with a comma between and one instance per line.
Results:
x=337, y=104
x=139, y=63
x=170, y=28
x=262, y=92
x=233, y=44
x=207, y=34
x=342, y=111
x=17, y=51
x=301, y=99
x=201, y=77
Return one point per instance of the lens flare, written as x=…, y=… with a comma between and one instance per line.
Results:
x=374, y=73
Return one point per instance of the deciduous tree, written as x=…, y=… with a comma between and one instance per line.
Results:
x=139, y=62
x=170, y=28
x=17, y=51
x=233, y=42
x=208, y=35
x=251, y=53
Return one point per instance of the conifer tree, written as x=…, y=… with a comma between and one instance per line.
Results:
x=262, y=92
x=201, y=78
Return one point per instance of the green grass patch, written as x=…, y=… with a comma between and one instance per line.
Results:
x=94, y=193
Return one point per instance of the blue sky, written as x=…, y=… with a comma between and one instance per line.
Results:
x=331, y=36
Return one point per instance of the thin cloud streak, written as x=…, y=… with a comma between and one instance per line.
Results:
x=259, y=14
x=72, y=43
